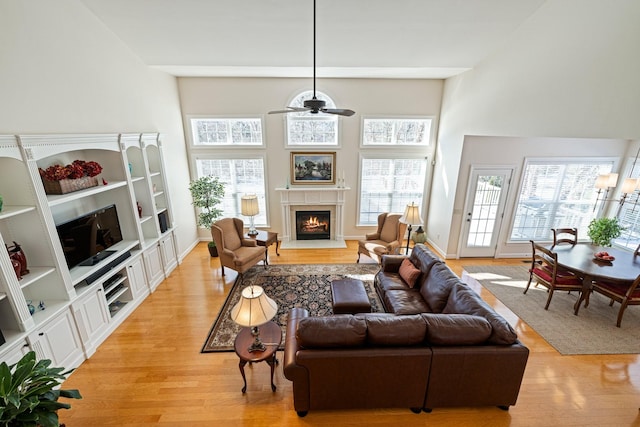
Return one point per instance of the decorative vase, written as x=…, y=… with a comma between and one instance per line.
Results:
x=16, y=252
x=419, y=236
x=32, y=309
x=17, y=268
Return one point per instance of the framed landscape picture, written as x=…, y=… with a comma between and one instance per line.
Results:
x=313, y=168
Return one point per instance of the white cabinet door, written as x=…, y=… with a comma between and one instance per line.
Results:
x=59, y=341
x=15, y=353
x=92, y=318
x=153, y=266
x=137, y=278
x=168, y=250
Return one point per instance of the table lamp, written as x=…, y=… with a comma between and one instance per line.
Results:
x=255, y=308
x=411, y=216
x=250, y=208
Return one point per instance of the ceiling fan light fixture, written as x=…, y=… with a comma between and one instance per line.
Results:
x=315, y=105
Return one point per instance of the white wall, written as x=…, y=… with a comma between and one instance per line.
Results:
x=62, y=71
x=570, y=71
x=233, y=96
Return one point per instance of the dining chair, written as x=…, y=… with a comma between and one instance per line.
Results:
x=544, y=269
x=623, y=293
x=637, y=251
x=565, y=235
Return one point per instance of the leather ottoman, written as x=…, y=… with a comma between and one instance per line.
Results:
x=349, y=297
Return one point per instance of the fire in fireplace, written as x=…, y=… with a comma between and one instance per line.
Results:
x=313, y=225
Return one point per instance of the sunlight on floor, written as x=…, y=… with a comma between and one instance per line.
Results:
x=500, y=279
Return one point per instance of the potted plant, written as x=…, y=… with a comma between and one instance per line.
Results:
x=603, y=230
x=207, y=193
x=29, y=392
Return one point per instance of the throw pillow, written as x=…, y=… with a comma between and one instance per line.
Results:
x=409, y=272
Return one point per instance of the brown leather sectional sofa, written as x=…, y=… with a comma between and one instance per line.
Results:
x=438, y=345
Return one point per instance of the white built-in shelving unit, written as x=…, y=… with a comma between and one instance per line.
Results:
x=77, y=308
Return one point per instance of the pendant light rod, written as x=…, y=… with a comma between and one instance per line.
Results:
x=314, y=49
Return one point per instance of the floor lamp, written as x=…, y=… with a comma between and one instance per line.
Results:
x=249, y=207
x=411, y=216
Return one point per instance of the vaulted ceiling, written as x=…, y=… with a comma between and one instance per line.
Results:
x=355, y=38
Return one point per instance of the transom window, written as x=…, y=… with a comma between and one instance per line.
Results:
x=556, y=194
x=396, y=131
x=307, y=129
x=218, y=131
x=240, y=177
x=389, y=185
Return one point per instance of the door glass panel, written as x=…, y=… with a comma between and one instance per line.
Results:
x=485, y=210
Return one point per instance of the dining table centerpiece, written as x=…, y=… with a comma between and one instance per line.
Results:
x=602, y=231
x=78, y=175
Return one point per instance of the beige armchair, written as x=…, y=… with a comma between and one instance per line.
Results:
x=386, y=240
x=236, y=251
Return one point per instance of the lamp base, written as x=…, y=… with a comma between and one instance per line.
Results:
x=252, y=228
x=408, y=238
x=257, y=344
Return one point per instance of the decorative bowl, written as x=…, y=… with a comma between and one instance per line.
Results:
x=604, y=258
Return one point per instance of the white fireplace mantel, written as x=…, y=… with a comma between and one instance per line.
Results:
x=291, y=198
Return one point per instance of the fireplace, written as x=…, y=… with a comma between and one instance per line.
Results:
x=313, y=225
x=317, y=198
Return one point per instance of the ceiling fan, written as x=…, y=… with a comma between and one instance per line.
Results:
x=315, y=105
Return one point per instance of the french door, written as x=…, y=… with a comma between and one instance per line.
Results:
x=484, y=211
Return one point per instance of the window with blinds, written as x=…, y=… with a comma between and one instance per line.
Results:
x=556, y=194
x=240, y=176
x=389, y=185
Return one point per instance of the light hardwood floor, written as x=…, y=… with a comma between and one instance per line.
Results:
x=150, y=370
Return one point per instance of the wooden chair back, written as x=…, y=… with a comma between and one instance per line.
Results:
x=544, y=270
x=565, y=235
x=623, y=293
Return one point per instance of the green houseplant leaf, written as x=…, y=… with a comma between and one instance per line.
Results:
x=207, y=193
x=29, y=392
x=603, y=230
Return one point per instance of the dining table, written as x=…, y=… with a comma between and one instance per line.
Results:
x=581, y=260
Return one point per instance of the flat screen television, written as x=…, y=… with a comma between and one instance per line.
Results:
x=86, y=239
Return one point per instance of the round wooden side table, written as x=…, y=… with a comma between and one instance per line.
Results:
x=271, y=336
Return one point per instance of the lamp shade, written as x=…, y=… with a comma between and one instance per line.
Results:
x=613, y=180
x=411, y=215
x=255, y=308
x=249, y=206
x=629, y=185
x=602, y=181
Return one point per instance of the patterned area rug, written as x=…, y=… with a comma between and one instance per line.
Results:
x=306, y=286
x=592, y=331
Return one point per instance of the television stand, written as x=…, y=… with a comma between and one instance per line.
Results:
x=96, y=258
